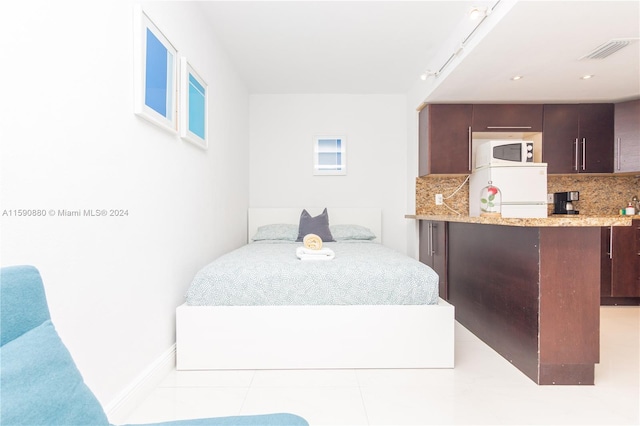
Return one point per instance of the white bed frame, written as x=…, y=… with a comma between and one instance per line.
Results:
x=304, y=337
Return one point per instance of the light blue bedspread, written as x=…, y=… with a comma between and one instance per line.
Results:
x=266, y=273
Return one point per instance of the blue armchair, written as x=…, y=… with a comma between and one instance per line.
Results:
x=39, y=382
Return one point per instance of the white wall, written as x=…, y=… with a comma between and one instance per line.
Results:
x=282, y=128
x=415, y=97
x=70, y=140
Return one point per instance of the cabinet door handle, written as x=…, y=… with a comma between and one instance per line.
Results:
x=428, y=237
x=469, y=148
x=433, y=245
x=509, y=127
x=584, y=153
x=432, y=248
x=575, y=162
x=618, y=154
x=611, y=242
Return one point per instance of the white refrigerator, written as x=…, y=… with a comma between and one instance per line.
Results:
x=523, y=188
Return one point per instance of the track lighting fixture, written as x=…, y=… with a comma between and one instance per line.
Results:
x=428, y=73
x=478, y=12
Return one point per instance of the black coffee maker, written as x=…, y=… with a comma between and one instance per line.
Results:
x=563, y=202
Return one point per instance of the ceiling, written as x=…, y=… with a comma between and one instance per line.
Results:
x=384, y=46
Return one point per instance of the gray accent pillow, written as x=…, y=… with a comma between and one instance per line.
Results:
x=318, y=225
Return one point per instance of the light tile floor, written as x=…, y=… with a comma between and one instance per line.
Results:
x=483, y=388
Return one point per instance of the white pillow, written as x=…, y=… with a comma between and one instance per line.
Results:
x=276, y=231
x=351, y=232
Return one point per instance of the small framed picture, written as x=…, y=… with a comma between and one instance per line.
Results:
x=155, y=69
x=193, y=105
x=329, y=155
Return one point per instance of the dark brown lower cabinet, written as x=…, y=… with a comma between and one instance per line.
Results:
x=620, y=261
x=532, y=294
x=433, y=250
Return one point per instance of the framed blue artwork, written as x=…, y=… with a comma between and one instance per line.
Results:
x=155, y=73
x=329, y=155
x=193, y=105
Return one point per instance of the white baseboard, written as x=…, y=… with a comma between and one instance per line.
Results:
x=119, y=409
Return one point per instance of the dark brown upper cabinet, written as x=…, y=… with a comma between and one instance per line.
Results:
x=627, y=137
x=445, y=139
x=507, y=117
x=578, y=138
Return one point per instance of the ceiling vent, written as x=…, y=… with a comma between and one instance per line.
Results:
x=609, y=48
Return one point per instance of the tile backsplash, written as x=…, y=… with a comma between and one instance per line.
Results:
x=599, y=195
x=428, y=186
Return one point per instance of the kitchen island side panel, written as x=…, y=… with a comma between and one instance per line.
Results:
x=532, y=294
x=569, y=304
x=494, y=283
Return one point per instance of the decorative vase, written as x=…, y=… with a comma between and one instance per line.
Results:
x=490, y=201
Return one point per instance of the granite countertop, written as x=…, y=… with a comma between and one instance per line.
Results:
x=569, y=220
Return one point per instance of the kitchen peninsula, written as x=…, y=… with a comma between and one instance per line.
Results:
x=529, y=288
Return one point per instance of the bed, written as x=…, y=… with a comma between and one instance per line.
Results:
x=366, y=328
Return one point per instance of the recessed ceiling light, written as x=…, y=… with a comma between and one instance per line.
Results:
x=586, y=77
x=516, y=77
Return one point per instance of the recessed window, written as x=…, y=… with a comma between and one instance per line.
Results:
x=329, y=155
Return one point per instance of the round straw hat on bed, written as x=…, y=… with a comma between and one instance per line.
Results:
x=312, y=241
